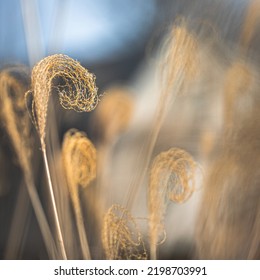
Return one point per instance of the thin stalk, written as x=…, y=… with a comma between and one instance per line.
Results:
x=56, y=217
x=80, y=225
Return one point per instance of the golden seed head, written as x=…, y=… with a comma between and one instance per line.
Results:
x=180, y=55
x=121, y=237
x=174, y=172
x=75, y=86
x=14, y=82
x=172, y=177
x=79, y=157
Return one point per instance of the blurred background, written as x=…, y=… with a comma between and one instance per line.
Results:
x=111, y=37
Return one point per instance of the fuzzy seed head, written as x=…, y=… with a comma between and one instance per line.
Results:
x=79, y=157
x=14, y=82
x=180, y=59
x=172, y=178
x=121, y=237
x=75, y=86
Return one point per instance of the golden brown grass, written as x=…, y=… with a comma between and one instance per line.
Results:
x=79, y=159
x=17, y=122
x=172, y=178
x=13, y=84
x=76, y=89
x=228, y=223
x=177, y=69
x=121, y=237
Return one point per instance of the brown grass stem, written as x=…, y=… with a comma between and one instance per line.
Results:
x=61, y=245
x=80, y=225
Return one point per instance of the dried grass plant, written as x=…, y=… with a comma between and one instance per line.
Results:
x=121, y=237
x=177, y=69
x=79, y=159
x=172, y=178
x=13, y=85
x=76, y=90
x=217, y=120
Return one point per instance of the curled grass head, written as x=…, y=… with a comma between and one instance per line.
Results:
x=121, y=237
x=75, y=86
x=79, y=157
x=14, y=81
x=172, y=178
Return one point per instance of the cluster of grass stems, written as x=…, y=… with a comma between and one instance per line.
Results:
x=79, y=166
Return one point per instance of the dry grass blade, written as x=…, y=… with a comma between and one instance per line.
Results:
x=17, y=122
x=121, y=237
x=172, y=177
x=79, y=158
